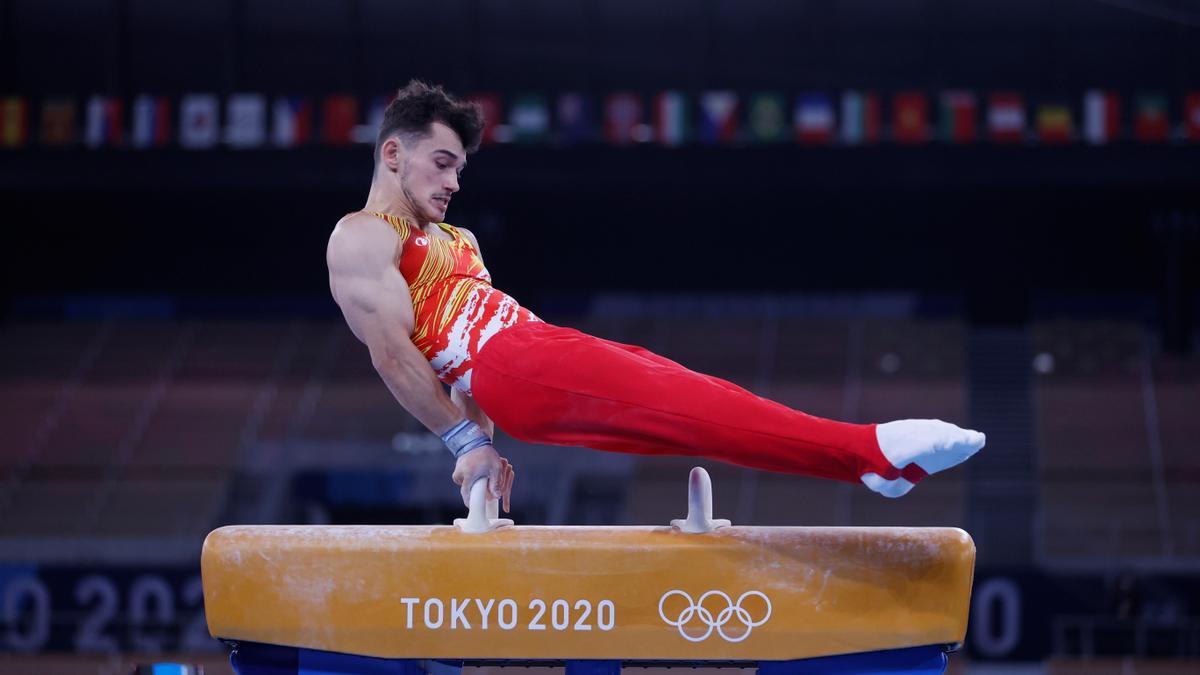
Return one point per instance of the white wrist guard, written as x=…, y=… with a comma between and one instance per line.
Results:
x=464, y=437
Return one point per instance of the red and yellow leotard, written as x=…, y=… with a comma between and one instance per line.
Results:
x=455, y=309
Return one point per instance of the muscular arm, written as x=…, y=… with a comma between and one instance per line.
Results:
x=473, y=412
x=374, y=299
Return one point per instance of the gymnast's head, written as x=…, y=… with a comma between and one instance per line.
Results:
x=422, y=147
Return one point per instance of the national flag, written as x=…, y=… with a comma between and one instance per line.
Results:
x=1191, y=112
x=1101, y=116
x=1054, y=123
x=813, y=118
x=671, y=118
x=718, y=117
x=576, y=121
x=910, y=117
x=291, y=123
x=368, y=133
x=246, y=121
x=622, y=118
x=767, y=120
x=339, y=116
x=529, y=118
x=493, y=117
x=957, y=121
x=151, y=121
x=105, y=124
x=860, y=117
x=1006, y=117
x=58, y=122
x=14, y=122
x=1150, y=123
x=198, y=124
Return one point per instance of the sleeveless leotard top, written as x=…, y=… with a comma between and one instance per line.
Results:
x=455, y=309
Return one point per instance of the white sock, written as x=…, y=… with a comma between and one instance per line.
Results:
x=933, y=445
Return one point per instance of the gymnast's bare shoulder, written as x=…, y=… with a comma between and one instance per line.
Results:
x=365, y=281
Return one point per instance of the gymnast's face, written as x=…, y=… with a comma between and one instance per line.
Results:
x=429, y=170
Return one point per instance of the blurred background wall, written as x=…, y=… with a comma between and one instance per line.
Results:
x=986, y=212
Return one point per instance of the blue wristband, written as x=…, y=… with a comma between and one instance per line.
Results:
x=464, y=437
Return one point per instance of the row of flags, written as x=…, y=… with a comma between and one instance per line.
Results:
x=669, y=118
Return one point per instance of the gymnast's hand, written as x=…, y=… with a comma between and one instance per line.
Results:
x=480, y=462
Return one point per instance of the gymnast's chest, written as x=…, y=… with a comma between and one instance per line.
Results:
x=425, y=259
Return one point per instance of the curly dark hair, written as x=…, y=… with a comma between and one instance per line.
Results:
x=418, y=105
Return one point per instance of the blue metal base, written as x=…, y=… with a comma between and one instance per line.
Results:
x=249, y=658
x=928, y=660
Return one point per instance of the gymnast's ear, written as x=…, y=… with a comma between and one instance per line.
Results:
x=391, y=153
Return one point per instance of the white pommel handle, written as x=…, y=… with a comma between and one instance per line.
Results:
x=699, y=518
x=482, y=512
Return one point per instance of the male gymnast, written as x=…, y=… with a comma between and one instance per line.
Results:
x=415, y=290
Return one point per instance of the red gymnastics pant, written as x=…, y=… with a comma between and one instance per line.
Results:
x=557, y=386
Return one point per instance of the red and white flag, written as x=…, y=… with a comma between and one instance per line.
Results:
x=1006, y=117
x=198, y=124
x=1101, y=117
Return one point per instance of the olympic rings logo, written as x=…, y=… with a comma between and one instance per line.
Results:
x=731, y=611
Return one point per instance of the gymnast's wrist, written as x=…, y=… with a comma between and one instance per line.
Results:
x=464, y=437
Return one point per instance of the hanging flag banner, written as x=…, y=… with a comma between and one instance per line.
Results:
x=576, y=121
x=291, y=121
x=104, y=124
x=910, y=117
x=1054, y=124
x=814, y=118
x=1006, y=117
x=198, y=124
x=671, y=118
x=529, y=118
x=14, y=122
x=766, y=118
x=1150, y=121
x=339, y=116
x=860, y=117
x=1191, y=113
x=368, y=132
x=957, y=117
x=246, y=121
x=622, y=118
x=493, y=116
x=151, y=122
x=59, y=128
x=1101, y=117
x=718, y=117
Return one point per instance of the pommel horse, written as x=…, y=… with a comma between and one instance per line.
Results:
x=429, y=599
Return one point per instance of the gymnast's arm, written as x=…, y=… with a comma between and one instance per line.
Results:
x=374, y=299
x=473, y=412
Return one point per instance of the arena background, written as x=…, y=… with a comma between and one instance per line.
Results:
x=983, y=211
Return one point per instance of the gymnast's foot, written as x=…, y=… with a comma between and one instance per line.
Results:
x=917, y=448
